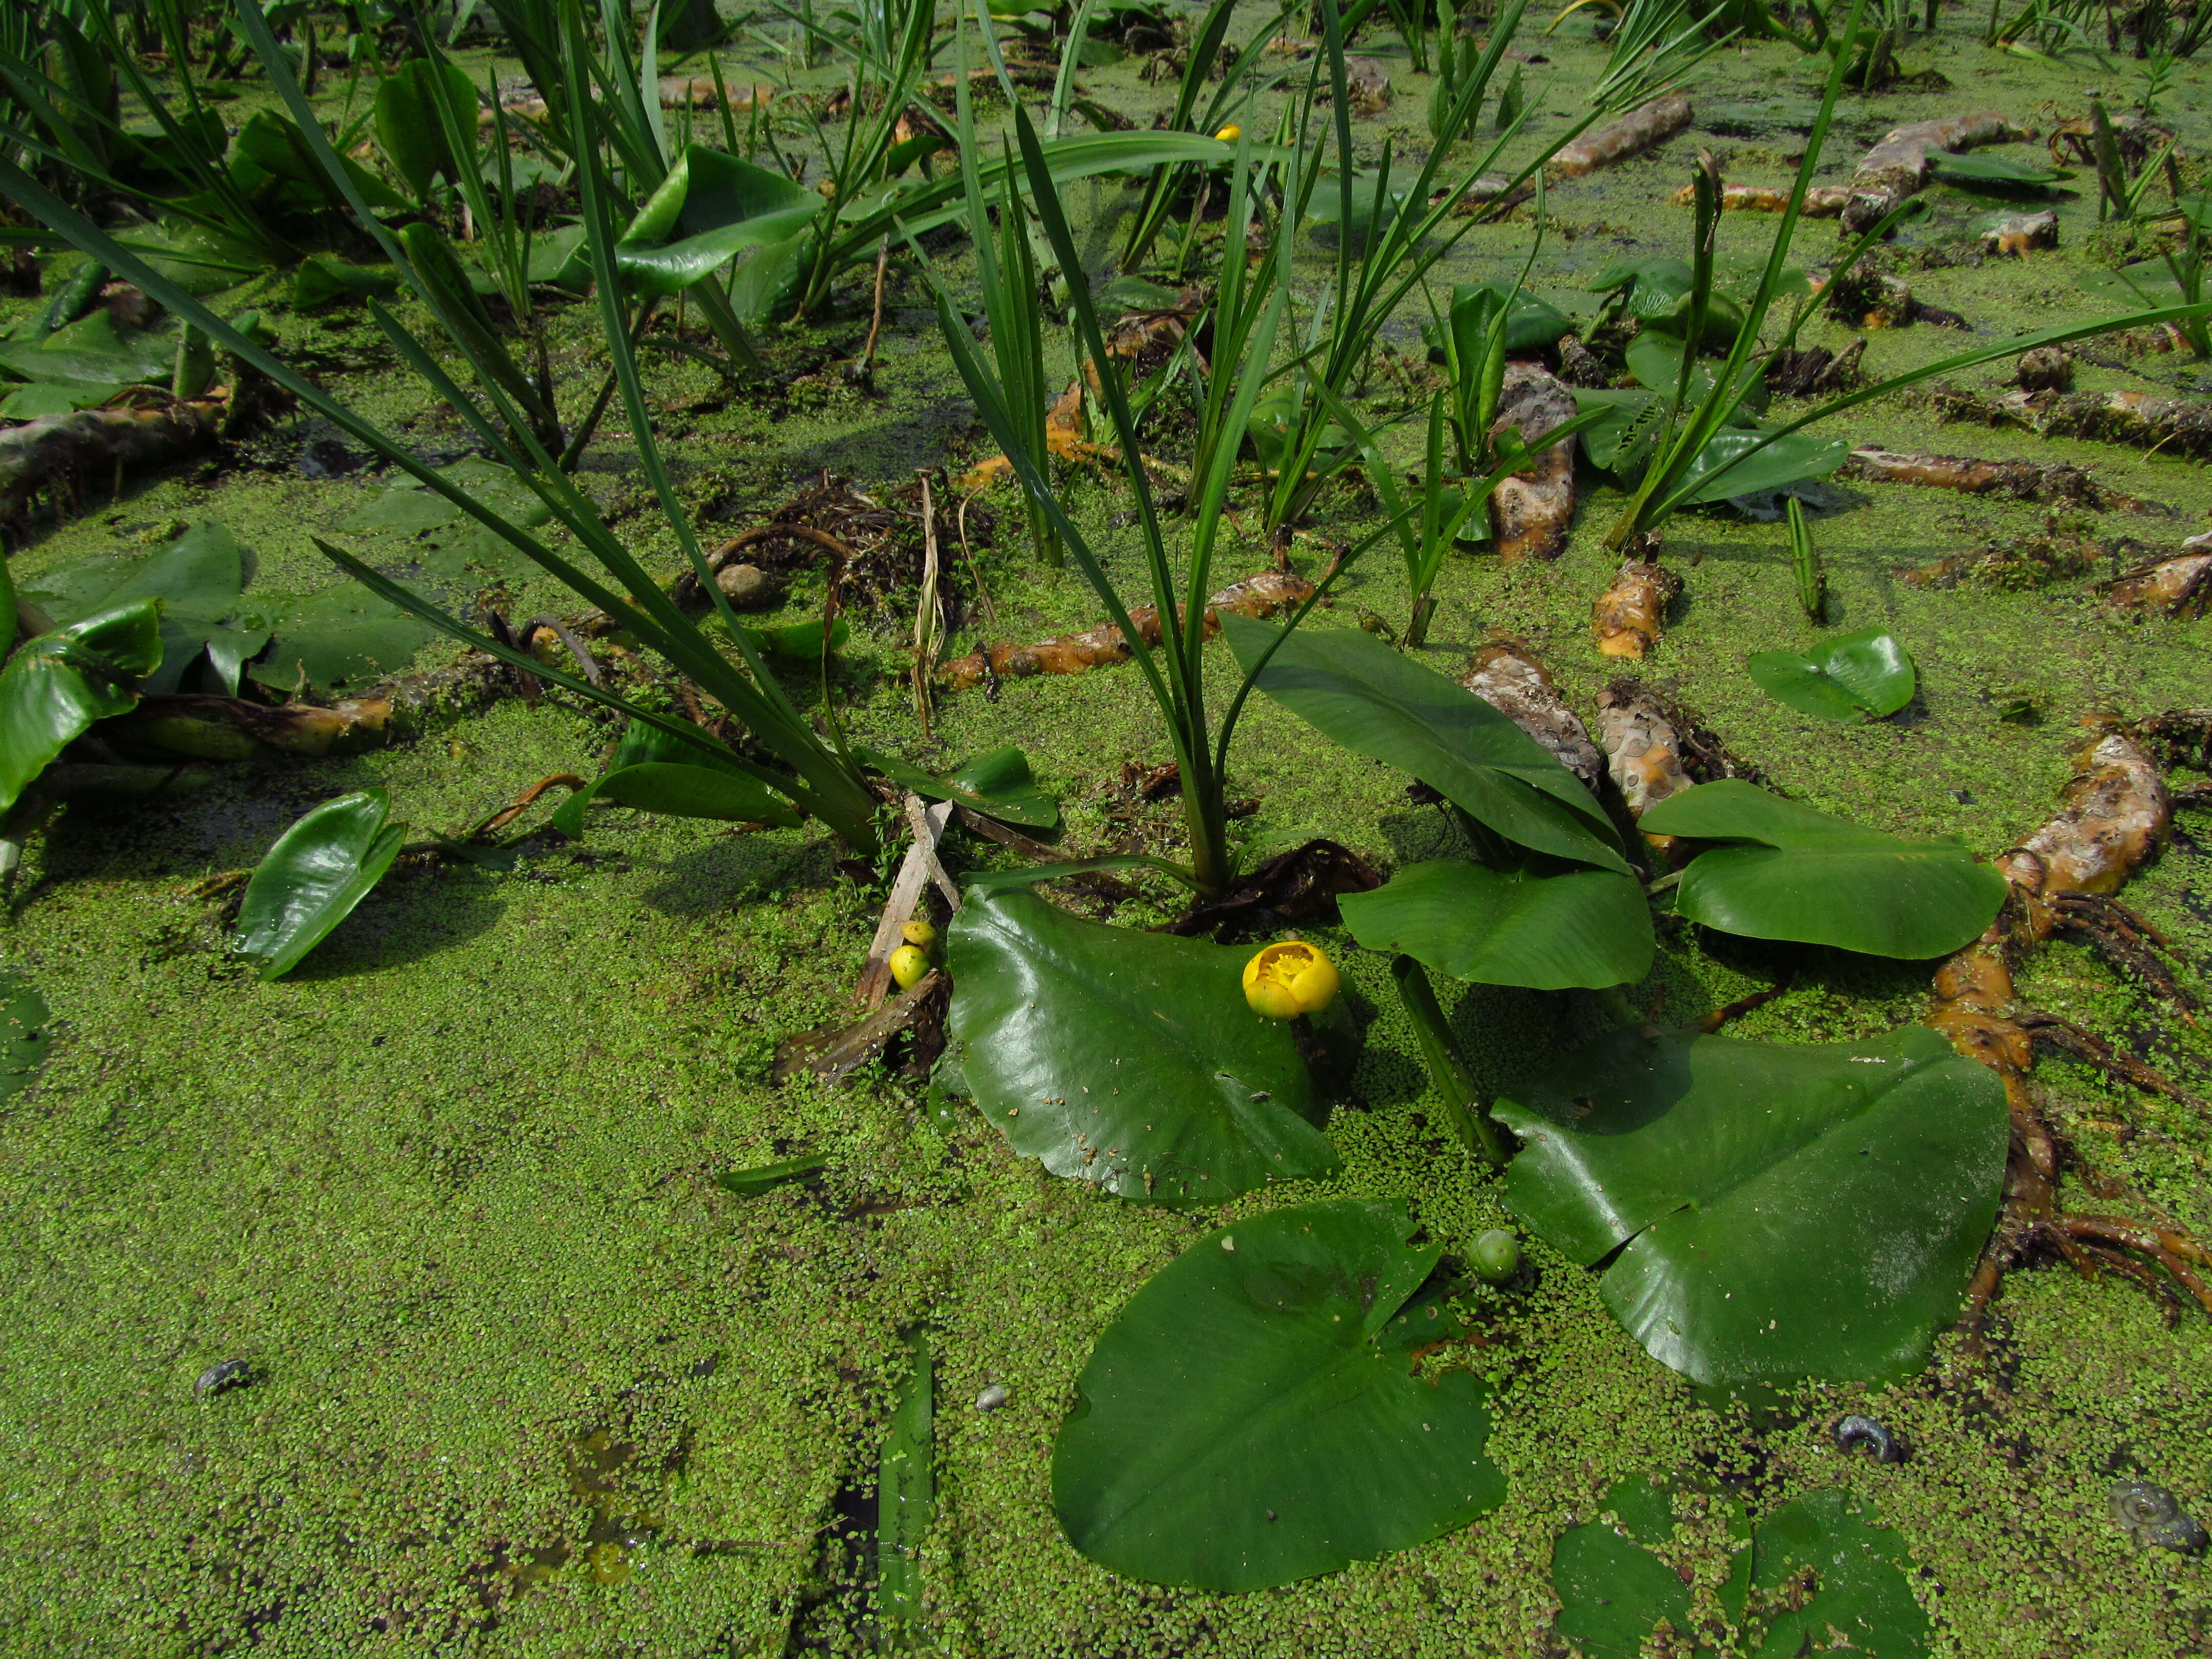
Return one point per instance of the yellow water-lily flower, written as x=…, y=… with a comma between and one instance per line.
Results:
x=1290, y=979
x=909, y=966
x=920, y=934
x=1229, y=134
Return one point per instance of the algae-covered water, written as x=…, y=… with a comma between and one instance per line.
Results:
x=525, y=1379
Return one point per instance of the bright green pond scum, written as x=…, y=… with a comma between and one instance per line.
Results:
x=526, y=1379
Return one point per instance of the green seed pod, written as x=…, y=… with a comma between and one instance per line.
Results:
x=1495, y=1257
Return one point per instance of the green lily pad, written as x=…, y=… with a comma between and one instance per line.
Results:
x=58, y=683
x=1613, y=1592
x=1780, y=1212
x=1797, y=874
x=408, y=129
x=1127, y=1060
x=1242, y=1425
x=312, y=878
x=411, y=509
x=321, y=281
x=1718, y=474
x=1844, y=678
x=343, y=636
x=1860, y=1586
x=24, y=1038
x=197, y=578
x=696, y=792
x=1530, y=321
x=1354, y=688
x=1549, y=931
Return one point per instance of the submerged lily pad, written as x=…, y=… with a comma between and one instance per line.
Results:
x=1241, y=1425
x=344, y=635
x=312, y=878
x=1787, y=1212
x=1798, y=874
x=1829, y=1577
x=1126, y=1059
x=24, y=1038
x=1866, y=672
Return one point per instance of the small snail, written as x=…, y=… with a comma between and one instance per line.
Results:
x=2152, y=1517
x=1857, y=1430
x=223, y=1374
x=992, y=1398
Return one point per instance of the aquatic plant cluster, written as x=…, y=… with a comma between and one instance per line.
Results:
x=1303, y=1387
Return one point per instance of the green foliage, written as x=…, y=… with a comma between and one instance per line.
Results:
x=311, y=879
x=709, y=208
x=197, y=580
x=1354, y=688
x=906, y=1492
x=998, y=783
x=340, y=636
x=1786, y=872
x=1549, y=930
x=1127, y=1060
x=1849, y=676
x=1780, y=1212
x=1250, y=1419
x=24, y=1038
x=56, y=685
x=1615, y=1592
x=408, y=129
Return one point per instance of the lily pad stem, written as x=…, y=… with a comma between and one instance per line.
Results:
x=1463, y=1107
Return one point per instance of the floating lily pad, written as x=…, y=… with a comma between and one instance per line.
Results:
x=1844, y=678
x=656, y=771
x=1354, y=688
x=1546, y=930
x=312, y=878
x=710, y=206
x=1126, y=1059
x=1243, y=1425
x=416, y=509
x=1780, y=1212
x=1797, y=874
x=24, y=1038
x=341, y=636
x=197, y=578
x=1830, y=1576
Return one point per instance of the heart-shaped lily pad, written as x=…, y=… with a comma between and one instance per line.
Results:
x=1126, y=1059
x=1786, y=1212
x=1853, y=674
x=1241, y=1425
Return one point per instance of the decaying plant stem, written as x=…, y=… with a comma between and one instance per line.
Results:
x=1893, y=169
x=2178, y=586
x=1531, y=512
x=1506, y=674
x=1266, y=594
x=99, y=442
x=2017, y=480
x=1631, y=615
x=2143, y=420
x=2117, y=814
x=1639, y=129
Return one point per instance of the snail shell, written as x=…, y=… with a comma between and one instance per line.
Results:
x=223, y=1374
x=1857, y=1430
x=992, y=1398
x=2152, y=1517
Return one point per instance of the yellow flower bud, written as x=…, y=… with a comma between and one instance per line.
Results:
x=919, y=934
x=1229, y=134
x=909, y=967
x=1290, y=979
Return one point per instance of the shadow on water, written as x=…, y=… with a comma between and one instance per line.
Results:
x=409, y=917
